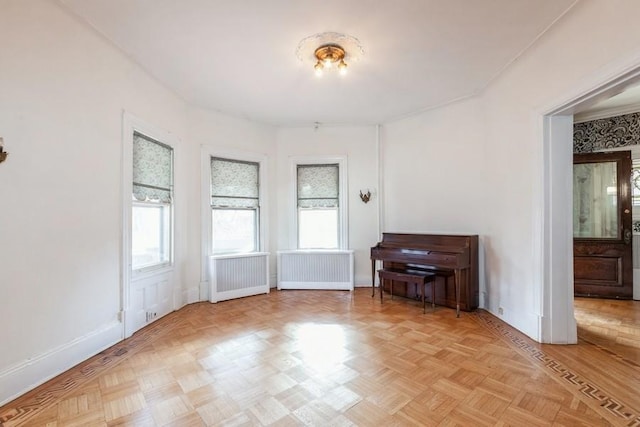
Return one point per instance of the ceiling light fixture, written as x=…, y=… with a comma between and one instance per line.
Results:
x=329, y=50
x=328, y=55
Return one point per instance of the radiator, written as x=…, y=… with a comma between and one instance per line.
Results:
x=317, y=269
x=239, y=275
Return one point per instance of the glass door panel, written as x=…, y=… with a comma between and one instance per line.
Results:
x=595, y=201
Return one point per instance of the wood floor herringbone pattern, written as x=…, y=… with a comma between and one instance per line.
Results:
x=334, y=358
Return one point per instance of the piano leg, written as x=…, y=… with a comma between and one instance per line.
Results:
x=373, y=278
x=457, y=278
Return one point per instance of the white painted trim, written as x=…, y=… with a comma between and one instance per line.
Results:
x=242, y=255
x=362, y=281
x=605, y=114
x=606, y=83
x=191, y=295
x=343, y=199
x=131, y=123
x=557, y=322
x=206, y=152
x=204, y=290
x=24, y=376
x=364, y=284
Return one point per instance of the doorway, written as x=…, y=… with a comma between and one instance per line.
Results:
x=558, y=323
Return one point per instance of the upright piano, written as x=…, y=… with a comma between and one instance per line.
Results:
x=449, y=256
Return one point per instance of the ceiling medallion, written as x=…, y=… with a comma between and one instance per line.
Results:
x=326, y=50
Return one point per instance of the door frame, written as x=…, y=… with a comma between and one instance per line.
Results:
x=557, y=322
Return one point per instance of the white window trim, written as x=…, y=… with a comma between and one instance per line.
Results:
x=343, y=209
x=130, y=125
x=206, y=153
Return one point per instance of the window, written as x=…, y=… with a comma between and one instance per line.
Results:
x=152, y=203
x=234, y=206
x=318, y=205
x=635, y=182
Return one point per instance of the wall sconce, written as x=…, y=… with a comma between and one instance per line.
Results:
x=3, y=154
x=365, y=197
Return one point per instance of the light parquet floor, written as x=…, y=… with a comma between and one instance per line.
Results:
x=331, y=358
x=613, y=324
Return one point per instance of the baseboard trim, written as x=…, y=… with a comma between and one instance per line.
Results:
x=526, y=322
x=364, y=285
x=22, y=377
x=363, y=281
x=191, y=295
x=204, y=291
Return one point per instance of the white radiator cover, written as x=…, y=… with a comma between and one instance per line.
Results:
x=316, y=269
x=238, y=275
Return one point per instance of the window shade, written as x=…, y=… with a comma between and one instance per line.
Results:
x=234, y=184
x=318, y=186
x=152, y=170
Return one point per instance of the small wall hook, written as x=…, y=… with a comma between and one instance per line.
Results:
x=366, y=196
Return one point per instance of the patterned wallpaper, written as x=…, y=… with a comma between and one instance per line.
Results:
x=612, y=132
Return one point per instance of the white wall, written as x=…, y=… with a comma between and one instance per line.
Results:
x=434, y=174
x=587, y=47
x=63, y=90
x=228, y=134
x=491, y=148
x=433, y=171
x=358, y=144
x=473, y=166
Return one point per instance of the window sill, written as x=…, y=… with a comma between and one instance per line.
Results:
x=151, y=271
x=238, y=255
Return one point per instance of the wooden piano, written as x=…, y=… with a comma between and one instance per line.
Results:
x=445, y=255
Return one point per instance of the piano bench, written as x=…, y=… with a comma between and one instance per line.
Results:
x=417, y=277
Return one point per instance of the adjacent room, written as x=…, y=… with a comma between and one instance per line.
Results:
x=419, y=212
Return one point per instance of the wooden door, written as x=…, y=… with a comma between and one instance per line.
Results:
x=602, y=237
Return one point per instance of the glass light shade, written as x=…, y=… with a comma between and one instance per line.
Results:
x=342, y=67
x=318, y=67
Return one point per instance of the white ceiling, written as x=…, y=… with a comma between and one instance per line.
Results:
x=238, y=56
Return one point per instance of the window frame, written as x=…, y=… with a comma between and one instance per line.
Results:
x=207, y=153
x=164, y=265
x=132, y=125
x=256, y=210
x=343, y=208
x=166, y=235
